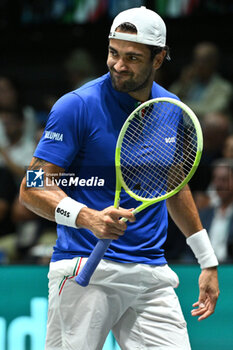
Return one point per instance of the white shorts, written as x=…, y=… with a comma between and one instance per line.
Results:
x=136, y=301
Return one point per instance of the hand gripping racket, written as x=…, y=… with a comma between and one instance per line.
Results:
x=157, y=152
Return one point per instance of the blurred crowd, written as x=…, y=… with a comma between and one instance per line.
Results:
x=27, y=238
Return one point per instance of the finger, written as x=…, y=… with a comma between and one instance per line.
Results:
x=202, y=297
x=117, y=227
x=205, y=311
x=124, y=213
x=200, y=307
x=109, y=231
x=196, y=304
x=112, y=224
x=114, y=228
x=113, y=236
x=121, y=224
x=205, y=315
x=108, y=236
x=198, y=312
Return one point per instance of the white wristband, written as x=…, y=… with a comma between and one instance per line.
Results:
x=67, y=211
x=200, y=244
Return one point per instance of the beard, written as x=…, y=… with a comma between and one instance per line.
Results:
x=130, y=84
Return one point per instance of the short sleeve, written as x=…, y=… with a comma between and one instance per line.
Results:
x=65, y=131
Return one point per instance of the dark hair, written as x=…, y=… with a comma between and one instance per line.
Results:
x=129, y=27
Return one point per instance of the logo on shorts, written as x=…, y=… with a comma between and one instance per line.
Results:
x=35, y=178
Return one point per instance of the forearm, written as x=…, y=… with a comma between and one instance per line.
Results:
x=53, y=204
x=41, y=201
x=183, y=212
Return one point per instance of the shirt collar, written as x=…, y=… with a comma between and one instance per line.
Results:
x=126, y=102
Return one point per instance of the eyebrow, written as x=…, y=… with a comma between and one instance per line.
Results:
x=131, y=53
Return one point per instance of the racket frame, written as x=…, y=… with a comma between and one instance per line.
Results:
x=102, y=245
x=119, y=179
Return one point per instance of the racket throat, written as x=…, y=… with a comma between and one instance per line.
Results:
x=117, y=199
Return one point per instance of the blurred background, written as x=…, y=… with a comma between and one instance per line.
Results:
x=49, y=47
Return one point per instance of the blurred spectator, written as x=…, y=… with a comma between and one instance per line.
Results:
x=80, y=68
x=216, y=127
x=47, y=102
x=10, y=99
x=16, y=154
x=14, y=157
x=218, y=218
x=35, y=236
x=8, y=93
x=228, y=147
x=7, y=194
x=200, y=86
x=210, y=195
x=217, y=215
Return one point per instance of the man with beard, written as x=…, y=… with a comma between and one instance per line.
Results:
x=132, y=289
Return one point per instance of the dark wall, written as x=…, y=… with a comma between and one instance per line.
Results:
x=34, y=54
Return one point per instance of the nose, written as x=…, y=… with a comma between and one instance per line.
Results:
x=120, y=65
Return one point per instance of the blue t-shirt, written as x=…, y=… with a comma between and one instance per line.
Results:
x=80, y=136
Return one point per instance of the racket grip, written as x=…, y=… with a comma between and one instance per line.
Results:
x=96, y=255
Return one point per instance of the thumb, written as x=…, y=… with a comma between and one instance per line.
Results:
x=202, y=298
x=126, y=214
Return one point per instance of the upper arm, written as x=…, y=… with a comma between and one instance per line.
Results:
x=183, y=211
x=50, y=170
x=42, y=200
x=65, y=132
x=179, y=202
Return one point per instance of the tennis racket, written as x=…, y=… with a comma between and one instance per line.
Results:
x=157, y=152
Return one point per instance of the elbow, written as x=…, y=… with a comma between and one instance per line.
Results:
x=22, y=192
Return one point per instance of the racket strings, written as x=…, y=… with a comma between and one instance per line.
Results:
x=141, y=180
x=173, y=170
x=190, y=149
x=158, y=150
x=189, y=138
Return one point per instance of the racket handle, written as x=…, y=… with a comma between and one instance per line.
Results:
x=96, y=255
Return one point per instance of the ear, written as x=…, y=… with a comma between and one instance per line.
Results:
x=158, y=60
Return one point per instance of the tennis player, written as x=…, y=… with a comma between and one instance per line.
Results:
x=132, y=290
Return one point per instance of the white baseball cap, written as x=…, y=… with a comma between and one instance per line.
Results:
x=151, y=29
